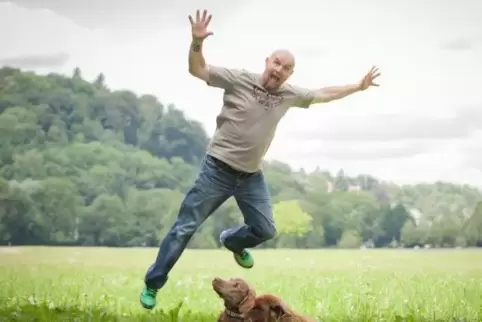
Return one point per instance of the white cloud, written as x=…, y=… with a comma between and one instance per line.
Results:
x=398, y=126
x=358, y=150
x=48, y=61
x=129, y=17
x=40, y=31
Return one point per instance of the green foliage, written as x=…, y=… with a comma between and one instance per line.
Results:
x=81, y=164
x=473, y=227
x=291, y=219
x=350, y=239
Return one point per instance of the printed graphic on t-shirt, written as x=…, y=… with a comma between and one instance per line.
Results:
x=268, y=100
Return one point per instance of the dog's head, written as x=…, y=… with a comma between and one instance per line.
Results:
x=238, y=296
x=268, y=307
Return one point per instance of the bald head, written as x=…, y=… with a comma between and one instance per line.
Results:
x=285, y=54
x=279, y=67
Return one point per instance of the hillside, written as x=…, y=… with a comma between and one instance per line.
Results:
x=82, y=164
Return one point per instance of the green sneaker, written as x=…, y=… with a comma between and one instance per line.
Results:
x=148, y=298
x=244, y=259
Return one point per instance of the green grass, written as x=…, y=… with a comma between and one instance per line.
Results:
x=101, y=284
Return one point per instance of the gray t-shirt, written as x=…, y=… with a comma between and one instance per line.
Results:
x=246, y=125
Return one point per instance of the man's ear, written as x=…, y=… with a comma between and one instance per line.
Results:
x=248, y=302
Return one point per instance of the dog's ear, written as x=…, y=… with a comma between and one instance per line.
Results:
x=248, y=302
x=279, y=309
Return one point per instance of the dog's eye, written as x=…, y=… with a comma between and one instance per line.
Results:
x=236, y=284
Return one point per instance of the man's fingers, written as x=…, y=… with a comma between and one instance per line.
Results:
x=204, y=19
x=197, y=16
x=207, y=34
x=208, y=20
x=370, y=76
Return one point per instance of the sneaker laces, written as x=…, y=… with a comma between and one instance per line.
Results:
x=151, y=292
x=244, y=254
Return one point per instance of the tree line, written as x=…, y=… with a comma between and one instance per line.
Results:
x=81, y=164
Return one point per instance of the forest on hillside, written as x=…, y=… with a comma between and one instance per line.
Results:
x=81, y=164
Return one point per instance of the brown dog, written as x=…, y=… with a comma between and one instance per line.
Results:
x=268, y=308
x=241, y=304
x=239, y=299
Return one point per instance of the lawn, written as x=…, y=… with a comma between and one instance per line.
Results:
x=102, y=284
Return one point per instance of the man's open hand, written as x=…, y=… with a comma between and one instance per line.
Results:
x=368, y=79
x=199, y=27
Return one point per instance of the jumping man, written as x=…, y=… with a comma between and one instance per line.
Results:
x=253, y=106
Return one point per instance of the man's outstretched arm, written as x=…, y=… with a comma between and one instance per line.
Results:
x=214, y=76
x=197, y=64
x=328, y=94
x=331, y=93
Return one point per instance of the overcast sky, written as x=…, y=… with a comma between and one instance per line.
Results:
x=423, y=124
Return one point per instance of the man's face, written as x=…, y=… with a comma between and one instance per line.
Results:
x=279, y=67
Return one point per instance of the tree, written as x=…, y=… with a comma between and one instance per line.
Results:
x=291, y=219
x=350, y=239
x=411, y=235
x=473, y=227
x=391, y=223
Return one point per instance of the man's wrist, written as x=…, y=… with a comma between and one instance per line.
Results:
x=196, y=44
x=197, y=41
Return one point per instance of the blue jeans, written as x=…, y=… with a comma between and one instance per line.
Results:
x=216, y=182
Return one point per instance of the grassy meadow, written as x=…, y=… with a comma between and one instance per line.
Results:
x=102, y=284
